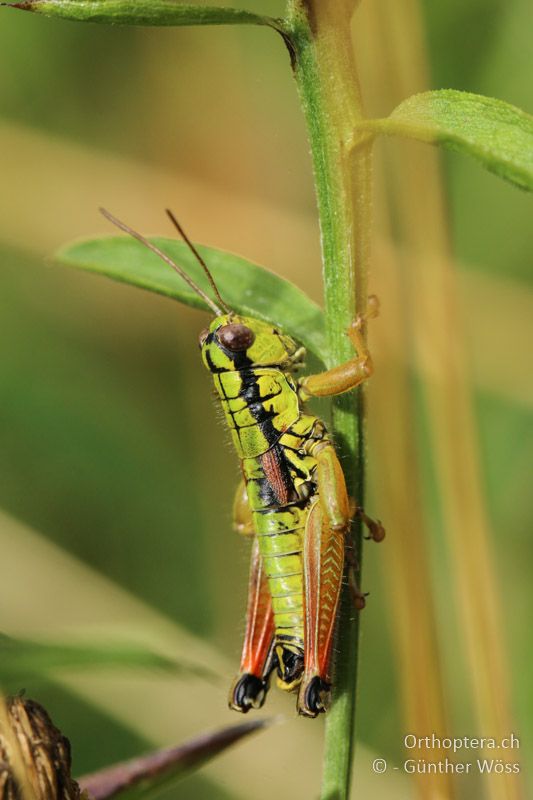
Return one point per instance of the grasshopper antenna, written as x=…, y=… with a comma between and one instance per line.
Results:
x=143, y=240
x=199, y=258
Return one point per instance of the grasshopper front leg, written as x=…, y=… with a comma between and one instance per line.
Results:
x=257, y=659
x=350, y=374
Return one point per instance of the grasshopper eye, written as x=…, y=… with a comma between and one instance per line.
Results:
x=203, y=336
x=236, y=336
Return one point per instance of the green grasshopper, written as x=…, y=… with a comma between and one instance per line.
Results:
x=292, y=499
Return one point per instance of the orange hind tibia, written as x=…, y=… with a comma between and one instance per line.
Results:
x=323, y=570
x=251, y=685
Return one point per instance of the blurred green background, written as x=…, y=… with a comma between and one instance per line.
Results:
x=111, y=446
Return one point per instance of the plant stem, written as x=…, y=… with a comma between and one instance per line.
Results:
x=319, y=32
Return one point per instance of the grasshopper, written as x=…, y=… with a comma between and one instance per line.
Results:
x=292, y=500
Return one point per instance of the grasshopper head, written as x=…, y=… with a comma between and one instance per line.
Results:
x=233, y=342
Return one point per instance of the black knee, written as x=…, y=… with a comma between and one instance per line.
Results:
x=315, y=697
x=248, y=692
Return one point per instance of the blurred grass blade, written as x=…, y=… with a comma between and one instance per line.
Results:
x=143, y=12
x=244, y=286
x=156, y=771
x=497, y=134
x=22, y=659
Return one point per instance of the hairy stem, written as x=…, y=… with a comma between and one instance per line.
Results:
x=324, y=68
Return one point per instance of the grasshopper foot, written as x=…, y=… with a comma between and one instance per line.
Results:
x=376, y=531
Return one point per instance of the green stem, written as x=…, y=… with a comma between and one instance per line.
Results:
x=324, y=68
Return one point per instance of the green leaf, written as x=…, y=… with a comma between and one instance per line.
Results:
x=22, y=660
x=143, y=12
x=246, y=287
x=495, y=133
x=159, y=770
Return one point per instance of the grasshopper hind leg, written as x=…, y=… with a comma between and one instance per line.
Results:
x=258, y=657
x=323, y=570
x=248, y=690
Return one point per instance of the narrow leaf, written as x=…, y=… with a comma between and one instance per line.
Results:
x=21, y=660
x=143, y=12
x=495, y=133
x=246, y=287
x=156, y=771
